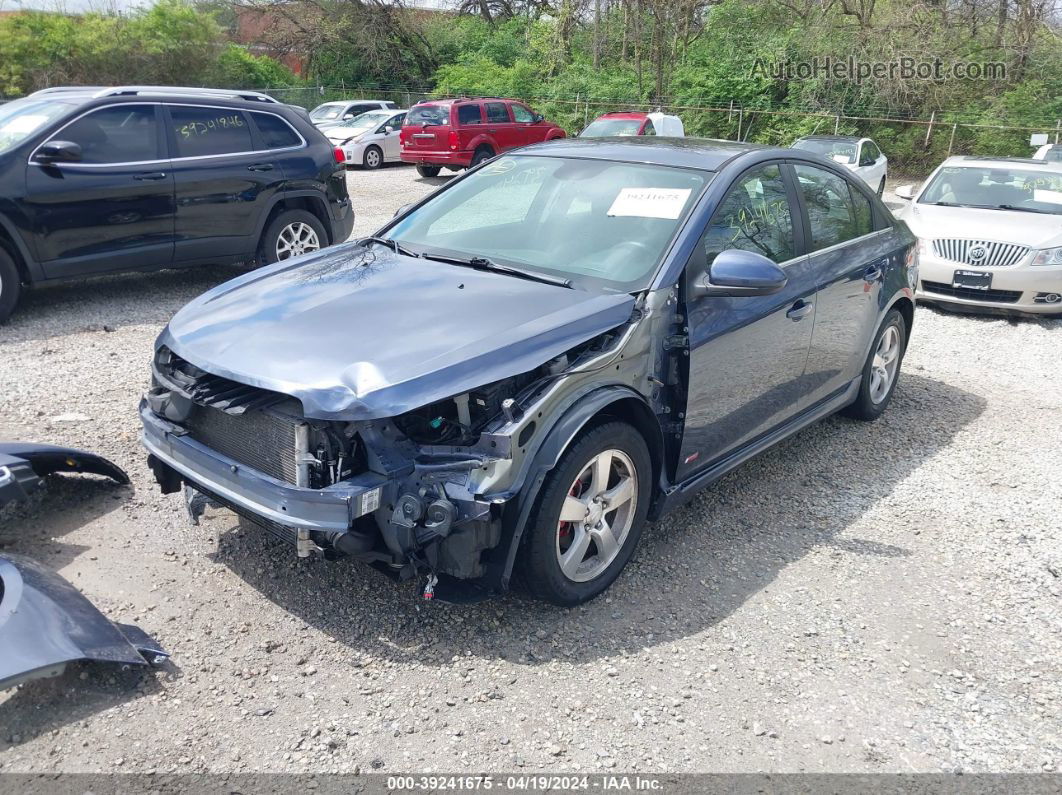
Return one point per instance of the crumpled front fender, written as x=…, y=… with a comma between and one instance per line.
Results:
x=46, y=623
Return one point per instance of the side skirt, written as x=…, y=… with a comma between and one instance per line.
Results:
x=681, y=493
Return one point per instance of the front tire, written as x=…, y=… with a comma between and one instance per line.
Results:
x=290, y=234
x=429, y=171
x=373, y=158
x=881, y=370
x=10, y=285
x=589, y=516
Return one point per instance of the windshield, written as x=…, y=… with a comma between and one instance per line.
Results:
x=327, y=111
x=996, y=189
x=23, y=117
x=599, y=223
x=365, y=121
x=429, y=115
x=837, y=151
x=602, y=127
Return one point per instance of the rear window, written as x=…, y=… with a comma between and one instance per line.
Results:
x=429, y=115
x=210, y=131
x=276, y=133
x=469, y=114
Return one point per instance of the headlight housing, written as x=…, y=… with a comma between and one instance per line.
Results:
x=1048, y=256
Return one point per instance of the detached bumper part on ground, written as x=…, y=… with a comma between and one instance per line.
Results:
x=46, y=623
x=24, y=465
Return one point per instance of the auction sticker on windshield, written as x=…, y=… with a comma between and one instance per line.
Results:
x=650, y=202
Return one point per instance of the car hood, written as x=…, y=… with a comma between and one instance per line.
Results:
x=362, y=333
x=1036, y=230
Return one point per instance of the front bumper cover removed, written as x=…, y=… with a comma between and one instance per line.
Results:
x=46, y=623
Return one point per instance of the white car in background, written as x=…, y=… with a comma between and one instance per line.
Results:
x=859, y=155
x=335, y=112
x=370, y=139
x=990, y=234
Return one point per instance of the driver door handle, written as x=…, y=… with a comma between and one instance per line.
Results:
x=150, y=176
x=261, y=167
x=874, y=272
x=800, y=310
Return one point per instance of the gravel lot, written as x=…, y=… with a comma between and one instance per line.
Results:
x=871, y=598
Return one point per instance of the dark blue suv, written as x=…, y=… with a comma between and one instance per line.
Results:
x=96, y=180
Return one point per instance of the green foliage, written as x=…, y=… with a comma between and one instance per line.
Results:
x=169, y=43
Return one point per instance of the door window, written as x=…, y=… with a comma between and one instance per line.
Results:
x=864, y=218
x=209, y=131
x=469, y=114
x=649, y=129
x=120, y=134
x=868, y=156
x=497, y=113
x=522, y=114
x=276, y=133
x=394, y=123
x=831, y=213
x=754, y=216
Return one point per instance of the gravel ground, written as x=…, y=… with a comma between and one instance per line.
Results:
x=881, y=598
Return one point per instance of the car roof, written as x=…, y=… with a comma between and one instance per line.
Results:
x=85, y=93
x=624, y=114
x=706, y=154
x=990, y=162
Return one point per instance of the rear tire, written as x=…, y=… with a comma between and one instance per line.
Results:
x=10, y=285
x=373, y=158
x=569, y=562
x=429, y=171
x=881, y=371
x=290, y=234
x=482, y=154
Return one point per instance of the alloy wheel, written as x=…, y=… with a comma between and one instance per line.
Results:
x=597, y=515
x=885, y=364
x=295, y=239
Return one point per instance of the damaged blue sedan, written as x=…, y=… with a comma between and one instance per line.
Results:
x=515, y=374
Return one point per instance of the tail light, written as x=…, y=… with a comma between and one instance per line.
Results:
x=402, y=137
x=338, y=154
x=454, y=142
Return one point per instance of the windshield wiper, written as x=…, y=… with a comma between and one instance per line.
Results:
x=482, y=263
x=394, y=245
x=1024, y=209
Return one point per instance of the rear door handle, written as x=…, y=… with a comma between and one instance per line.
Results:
x=150, y=176
x=800, y=310
x=261, y=167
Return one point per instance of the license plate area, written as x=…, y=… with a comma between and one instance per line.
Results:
x=972, y=280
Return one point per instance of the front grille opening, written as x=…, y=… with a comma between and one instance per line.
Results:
x=970, y=294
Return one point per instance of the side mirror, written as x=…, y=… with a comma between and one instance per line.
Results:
x=59, y=152
x=905, y=192
x=537, y=118
x=388, y=129
x=735, y=273
x=401, y=210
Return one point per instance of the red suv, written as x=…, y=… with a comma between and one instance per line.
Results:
x=461, y=133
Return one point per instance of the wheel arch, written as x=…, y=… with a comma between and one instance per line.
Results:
x=308, y=201
x=905, y=306
x=13, y=244
x=605, y=404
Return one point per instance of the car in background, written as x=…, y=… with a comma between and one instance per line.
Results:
x=633, y=122
x=344, y=110
x=1052, y=153
x=462, y=133
x=369, y=140
x=602, y=328
x=860, y=155
x=97, y=180
x=990, y=232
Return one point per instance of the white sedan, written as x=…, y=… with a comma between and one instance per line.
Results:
x=990, y=234
x=859, y=155
x=369, y=140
